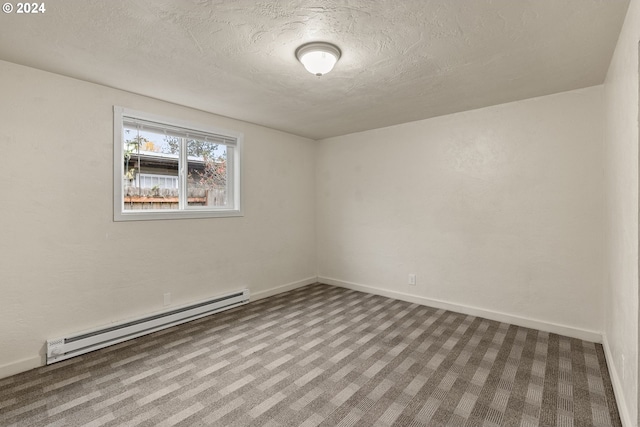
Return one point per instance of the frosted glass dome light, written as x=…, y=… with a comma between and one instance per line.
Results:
x=318, y=57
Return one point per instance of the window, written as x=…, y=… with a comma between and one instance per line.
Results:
x=168, y=169
x=147, y=180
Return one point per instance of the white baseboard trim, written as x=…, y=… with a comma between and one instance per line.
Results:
x=20, y=366
x=284, y=288
x=625, y=417
x=555, y=328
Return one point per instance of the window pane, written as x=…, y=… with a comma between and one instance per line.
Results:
x=207, y=174
x=150, y=158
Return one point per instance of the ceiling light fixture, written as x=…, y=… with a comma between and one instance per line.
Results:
x=318, y=57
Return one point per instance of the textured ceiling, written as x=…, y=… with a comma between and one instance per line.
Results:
x=402, y=60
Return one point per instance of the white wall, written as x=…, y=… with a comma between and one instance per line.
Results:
x=621, y=174
x=65, y=266
x=499, y=211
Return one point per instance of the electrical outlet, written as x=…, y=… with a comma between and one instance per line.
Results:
x=167, y=299
x=412, y=279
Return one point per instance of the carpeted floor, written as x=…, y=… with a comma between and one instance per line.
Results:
x=322, y=355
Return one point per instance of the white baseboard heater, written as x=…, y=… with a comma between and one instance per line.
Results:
x=65, y=348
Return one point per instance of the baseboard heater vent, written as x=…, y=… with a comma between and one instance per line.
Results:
x=65, y=348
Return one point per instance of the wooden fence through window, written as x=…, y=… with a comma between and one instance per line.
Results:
x=160, y=199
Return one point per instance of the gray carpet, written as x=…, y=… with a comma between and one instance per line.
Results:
x=322, y=355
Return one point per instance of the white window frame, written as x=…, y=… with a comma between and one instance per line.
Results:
x=233, y=180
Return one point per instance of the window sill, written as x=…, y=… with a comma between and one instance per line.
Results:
x=152, y=215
